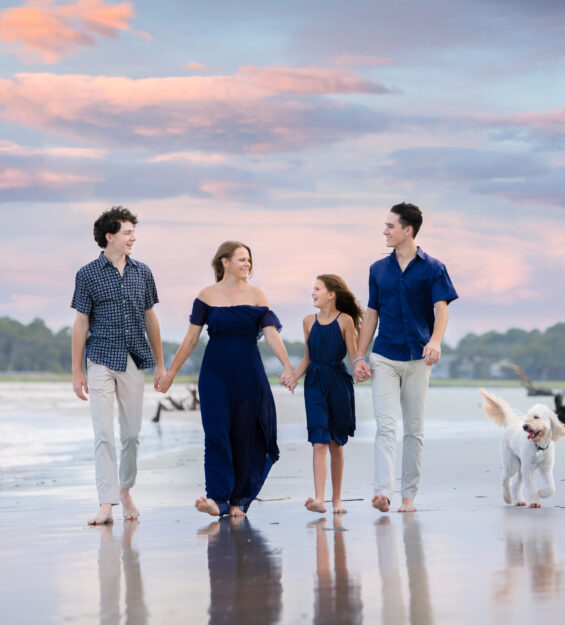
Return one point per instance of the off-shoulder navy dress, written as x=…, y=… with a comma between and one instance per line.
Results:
x=328, y=387
x=236, y=402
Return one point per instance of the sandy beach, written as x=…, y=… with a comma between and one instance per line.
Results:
x=464, y=557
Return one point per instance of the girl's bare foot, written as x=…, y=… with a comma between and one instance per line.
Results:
x=131, y=513
x=338, y=508
x=381, y=502
x=407, y=506
x=315, y=505
x=207, y=505
x=104, y=515
x=236, y=512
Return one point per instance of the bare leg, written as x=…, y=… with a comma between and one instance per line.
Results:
x=131, y=513
x=381, y=502
x=407, y=505
x=207, y=505
x=336, y=455
x=103, y=516
x=320, y=473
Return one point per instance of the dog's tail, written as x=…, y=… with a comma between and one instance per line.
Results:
x=498, y=410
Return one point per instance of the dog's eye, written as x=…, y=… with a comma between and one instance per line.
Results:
x=536, y=417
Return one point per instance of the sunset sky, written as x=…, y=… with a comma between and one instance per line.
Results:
x=292, y=126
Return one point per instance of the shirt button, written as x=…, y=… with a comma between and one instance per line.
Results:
x=127, y=331
x=123, y=301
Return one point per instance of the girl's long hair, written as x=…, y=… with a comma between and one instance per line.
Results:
x=226, y=250
x=345, y=301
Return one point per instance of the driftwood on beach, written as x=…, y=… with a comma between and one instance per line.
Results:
x=191, y=401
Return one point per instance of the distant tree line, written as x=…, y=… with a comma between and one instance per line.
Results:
x=34, y=347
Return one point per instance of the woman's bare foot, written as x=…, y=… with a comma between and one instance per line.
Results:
x=104, y=515
x=338, y=508
x=236, y=512
x=381, y=502
x=407, y=506
x=315, y=505
x=207, y=505
x=131, y=513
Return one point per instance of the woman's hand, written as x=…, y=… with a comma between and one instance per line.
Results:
x=164, y=382
x=287, y=379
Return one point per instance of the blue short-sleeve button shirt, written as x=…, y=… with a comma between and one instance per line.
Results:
x=405, y=303
x=116, y=305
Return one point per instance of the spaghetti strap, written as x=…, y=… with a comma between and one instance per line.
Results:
x=338, y=315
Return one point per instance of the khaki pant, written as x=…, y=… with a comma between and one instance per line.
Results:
x=399, y=391
x=127, y=387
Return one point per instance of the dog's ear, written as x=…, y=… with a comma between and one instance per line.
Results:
x=497, y=410
x=557, y=428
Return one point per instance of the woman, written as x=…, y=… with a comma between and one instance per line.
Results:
x=238, y=411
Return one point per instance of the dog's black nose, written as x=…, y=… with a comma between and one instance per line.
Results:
x=526, y=427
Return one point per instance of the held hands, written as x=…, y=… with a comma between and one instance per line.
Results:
x=288, y=379
x=159, y=372
x=432, y=352
x=163, y=384
x=361, y=371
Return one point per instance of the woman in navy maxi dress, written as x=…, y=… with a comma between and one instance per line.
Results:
x=237, y=407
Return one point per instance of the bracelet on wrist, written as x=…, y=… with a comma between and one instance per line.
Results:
x=357, y=359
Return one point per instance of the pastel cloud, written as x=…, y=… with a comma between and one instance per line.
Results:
x=48, y=30
x=16, y=178
x=257, y=109
x=14, y=149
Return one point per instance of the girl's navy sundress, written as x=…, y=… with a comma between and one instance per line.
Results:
x=328, y=387
x=237, y=406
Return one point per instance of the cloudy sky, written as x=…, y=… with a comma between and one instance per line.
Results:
x=292, y=126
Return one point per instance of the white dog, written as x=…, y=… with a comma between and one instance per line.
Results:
x=527, y=445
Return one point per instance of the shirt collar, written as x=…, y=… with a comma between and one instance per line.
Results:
x=104, y=261
x=419, y=254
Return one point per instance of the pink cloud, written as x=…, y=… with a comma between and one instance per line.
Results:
x=551, y=120
x=47, y=31
x=197, y=67
x=15, y=179
x=11, y=148
x=240, y=108
x=198, y=158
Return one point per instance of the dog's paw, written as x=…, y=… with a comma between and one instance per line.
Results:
x=521, y=503
x=544, y=493
x=535, y=504
x=507, y=499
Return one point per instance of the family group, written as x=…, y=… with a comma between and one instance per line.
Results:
x=117, y=330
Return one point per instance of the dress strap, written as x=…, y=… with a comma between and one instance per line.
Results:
x=338, y=316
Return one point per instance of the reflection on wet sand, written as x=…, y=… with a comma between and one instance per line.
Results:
x=337, y=598
x=530, y=552
x=394, y=611
x=245, y=575
x=112, y=550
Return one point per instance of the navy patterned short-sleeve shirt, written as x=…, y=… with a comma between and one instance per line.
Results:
x=116, y=305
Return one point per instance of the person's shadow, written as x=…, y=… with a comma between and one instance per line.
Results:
x=420, y=607
x=245, y=574
x=337, y=597
x=114, y=553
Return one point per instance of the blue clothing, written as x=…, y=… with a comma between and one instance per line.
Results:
x=328, y=387
x=237, y=406
x=405, y=303
x=116, y=305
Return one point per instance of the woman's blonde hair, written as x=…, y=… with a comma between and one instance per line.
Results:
x=226, y=250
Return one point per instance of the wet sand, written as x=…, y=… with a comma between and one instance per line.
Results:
x=464, y=557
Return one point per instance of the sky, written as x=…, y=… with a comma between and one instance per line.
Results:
x=291, y=126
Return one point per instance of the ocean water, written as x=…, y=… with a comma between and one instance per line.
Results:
x=45, y=424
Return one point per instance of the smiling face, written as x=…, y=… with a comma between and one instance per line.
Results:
x=122, y=242
x=239, y=265
x=320, y=295
x=395, y=233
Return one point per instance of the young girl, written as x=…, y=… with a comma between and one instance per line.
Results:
x=328, y=387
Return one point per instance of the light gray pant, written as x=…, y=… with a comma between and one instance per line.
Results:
x=399, y=390
x=127, y=387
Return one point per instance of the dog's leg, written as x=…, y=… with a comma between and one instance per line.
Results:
x=548, y=485
x=517, y=489
x=531, y=492
x=510, y=467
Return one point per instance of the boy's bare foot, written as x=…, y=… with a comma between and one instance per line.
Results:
x=104, y=515
x=315, y=505
x=381, y=502
x=236, y=512
x=131, y=513
x=407, y=506
x=338, y=508
x=207, y=505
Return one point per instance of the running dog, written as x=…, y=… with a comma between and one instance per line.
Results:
x=527, y=445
